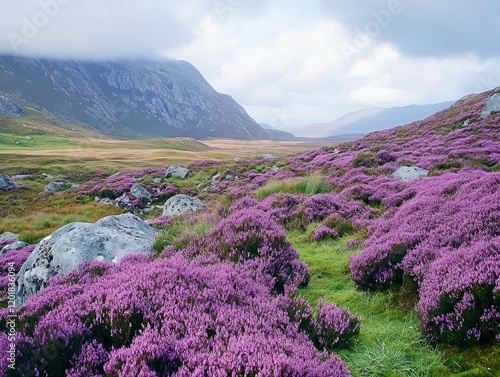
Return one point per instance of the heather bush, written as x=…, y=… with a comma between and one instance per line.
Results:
x=335, y=326
x=447, y=212
x=13, y=259
x=324, y=233
x=251, y=237
x=165, y=317
x=460, y=296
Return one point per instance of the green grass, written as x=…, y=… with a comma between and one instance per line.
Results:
x=310, y=185
x=390, y=343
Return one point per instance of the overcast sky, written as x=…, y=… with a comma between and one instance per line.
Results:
x=287, y=62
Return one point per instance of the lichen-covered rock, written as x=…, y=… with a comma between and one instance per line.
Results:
x=109, y=239
x=181, y=204
x=8, y=236
x=140, y=192
x=410, y=173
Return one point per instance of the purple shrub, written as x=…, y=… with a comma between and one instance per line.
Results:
x=6, y=242
x=460, y=296
x=324, y=233
x=165, y=317
x=163, y=221
x=447, y=212
x=250, y=236
x=335, y=326
x=12, y=259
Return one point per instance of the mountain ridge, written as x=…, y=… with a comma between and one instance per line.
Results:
x=136, y=98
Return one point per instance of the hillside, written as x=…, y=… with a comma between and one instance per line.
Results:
x=124, y=98
x=377, y=257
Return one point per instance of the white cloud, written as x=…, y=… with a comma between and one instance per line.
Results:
x=282, y=60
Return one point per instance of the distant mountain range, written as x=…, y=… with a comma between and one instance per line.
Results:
x=124, y=98
x=363, y=122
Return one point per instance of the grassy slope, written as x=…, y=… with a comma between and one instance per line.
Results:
x=389, y=343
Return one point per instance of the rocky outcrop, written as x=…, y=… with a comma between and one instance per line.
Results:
x=10, y=108
x=410, y=173
x=177, y=171
x=109, y=239
x=492, y=105
x=180, y=204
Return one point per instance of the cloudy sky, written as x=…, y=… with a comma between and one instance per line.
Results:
x=288, y=62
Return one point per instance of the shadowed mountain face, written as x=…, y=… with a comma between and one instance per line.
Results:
x=127, y=98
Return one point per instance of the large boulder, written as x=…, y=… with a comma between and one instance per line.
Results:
x=181, y=204
x=6, y=182
x=109, y=239
x=410, y=173
x=492, y=105
x=177, y=171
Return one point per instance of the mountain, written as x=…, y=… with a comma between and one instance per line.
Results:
x=277, y=134
x=370, y=120
x=167, y=98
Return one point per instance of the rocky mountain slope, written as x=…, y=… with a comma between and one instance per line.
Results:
x=124, y=98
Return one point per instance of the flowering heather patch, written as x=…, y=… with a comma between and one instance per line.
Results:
x=120, y=183
x=335, y=326
x=251, y=237
x=165, y=317
x=14, y=259
x=447, y=212
x=163, y=221
x=6, y=242
x=324, y=233
x=460, y=296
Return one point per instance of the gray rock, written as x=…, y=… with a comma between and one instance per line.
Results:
x=181, y=204
x=17, y=245
x=6, y=182
x=109, y=239
x=177, y=171
x=8, y=236
x=47, y=176
x=216, y=177
x=231, y=177
x=237, y=159
x=140, y=192
x=157, y=180
x=269, y=156
x=409, y=173
x=492, y=105
x=275, y=168
x=54, y=187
